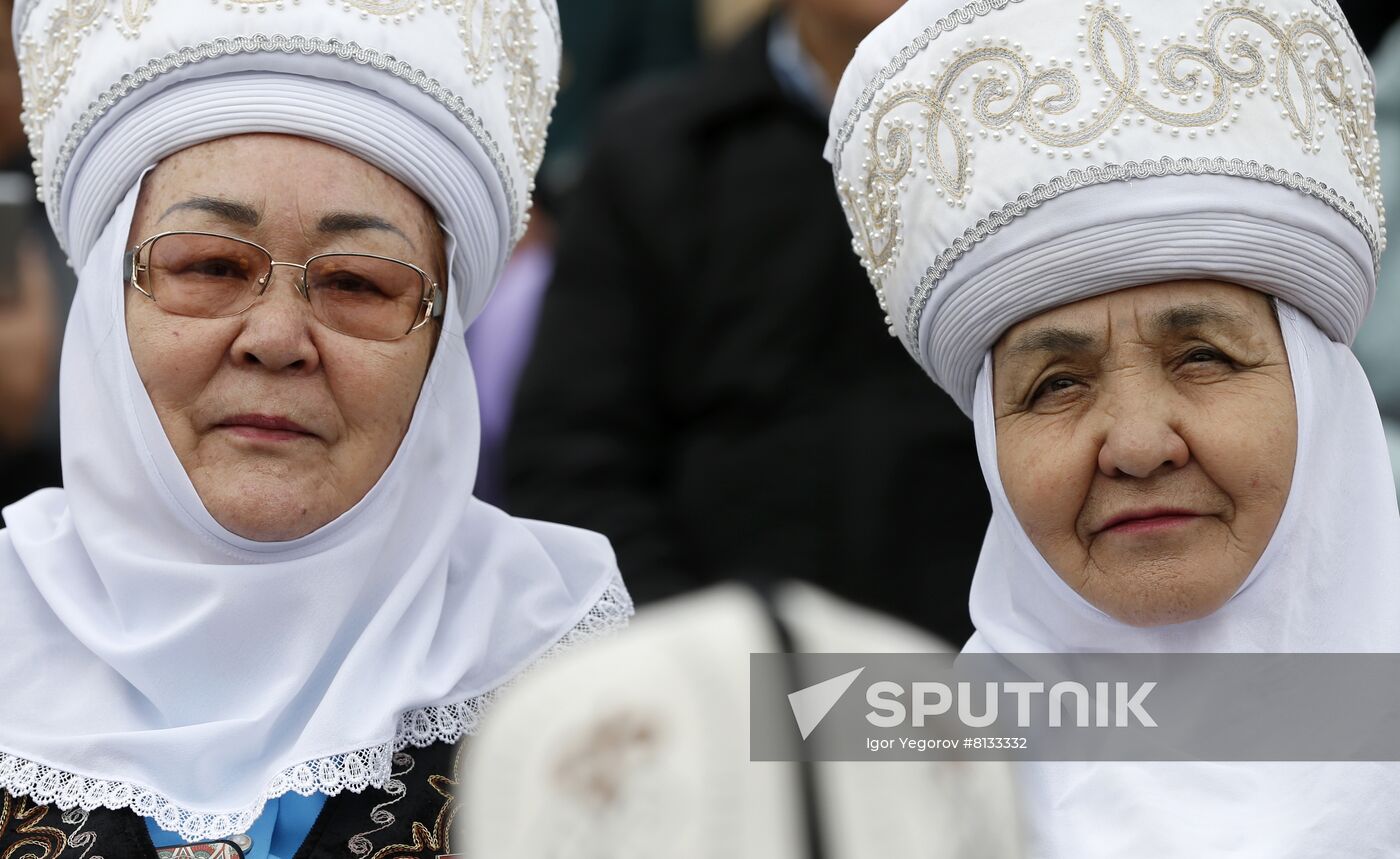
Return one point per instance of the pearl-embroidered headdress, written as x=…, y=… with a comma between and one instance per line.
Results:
x=481, y=73
x=1000, y=157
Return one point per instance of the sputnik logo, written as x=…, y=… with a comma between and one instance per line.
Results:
x=810, y=705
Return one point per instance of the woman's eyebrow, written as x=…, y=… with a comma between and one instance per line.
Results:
x=1055, y=340
x=353, y=222
x=1201, y=314
x=225, y=210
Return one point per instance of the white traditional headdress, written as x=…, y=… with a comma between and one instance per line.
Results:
x=481, y=73
x=957, y=119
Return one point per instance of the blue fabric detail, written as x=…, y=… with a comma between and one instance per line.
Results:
x=277, y=833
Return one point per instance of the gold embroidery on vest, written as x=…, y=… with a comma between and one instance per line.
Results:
x=20, y=819
x=437, y=840
x=361, y=844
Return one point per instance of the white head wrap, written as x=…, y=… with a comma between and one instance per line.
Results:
x=1115, y=146
x=153, y=660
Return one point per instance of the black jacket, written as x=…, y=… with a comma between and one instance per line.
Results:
x=712, y=386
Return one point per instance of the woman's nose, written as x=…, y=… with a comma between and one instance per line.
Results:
x=1141, y=439
x=276, y=330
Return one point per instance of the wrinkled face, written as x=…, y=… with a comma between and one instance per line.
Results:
x=1146, y=441
x=281, y=423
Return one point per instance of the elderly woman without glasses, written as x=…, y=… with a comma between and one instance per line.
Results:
x=266, y=596
x=1132, y=240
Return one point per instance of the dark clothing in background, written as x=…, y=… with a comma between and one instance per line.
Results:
x=33, y=465
x=1370, y=20
x=712, y=386
x=25, y=470
x=606, y=44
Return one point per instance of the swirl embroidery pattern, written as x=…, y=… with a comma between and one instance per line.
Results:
x=78, y=819
x=22, y=836
x=1016, y=98
x=476, y=23
x=46, y=66
x=424, y=839
x=360, y=844
x=532, y=101
x=134, y=14
x=377, y=8
x=494, y=33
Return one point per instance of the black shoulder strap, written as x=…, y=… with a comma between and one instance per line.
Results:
x=816, y=841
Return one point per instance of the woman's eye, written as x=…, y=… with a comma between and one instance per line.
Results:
x=217, y=268
x=1205, y=358
x=351, y=285
x=1052, y=386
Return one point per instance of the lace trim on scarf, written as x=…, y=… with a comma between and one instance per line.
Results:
x=354, y=771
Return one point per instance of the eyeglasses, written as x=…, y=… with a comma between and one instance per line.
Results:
x=211, y=276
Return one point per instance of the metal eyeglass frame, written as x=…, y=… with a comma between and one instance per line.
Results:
x=431, y=299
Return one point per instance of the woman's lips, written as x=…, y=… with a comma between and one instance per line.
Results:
x=1149, y=521
x=264, y=428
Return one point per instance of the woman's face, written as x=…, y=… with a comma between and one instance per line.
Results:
x=1146, y=441
x=219, y=384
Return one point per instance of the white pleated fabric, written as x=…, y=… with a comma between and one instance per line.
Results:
x=1329, y=581
x=1103, y=238
x=152, y=660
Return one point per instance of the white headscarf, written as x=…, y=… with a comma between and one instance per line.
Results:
x=149, y=658
x=983, y=189
x=1329, y=581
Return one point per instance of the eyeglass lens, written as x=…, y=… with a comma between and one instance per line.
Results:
x=192, y=274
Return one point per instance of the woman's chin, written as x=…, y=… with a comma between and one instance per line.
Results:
x=1147, y=617
x=263, y=531
x=1155, y=594
x=263, y=511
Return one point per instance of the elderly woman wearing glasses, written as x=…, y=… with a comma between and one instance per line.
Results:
x=265, y=610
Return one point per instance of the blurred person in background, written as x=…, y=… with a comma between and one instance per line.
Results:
x=722, y=21
x=33, y=296
x=1378, y=344
x=709, y=387
x=607, y=44
x=651, y=758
